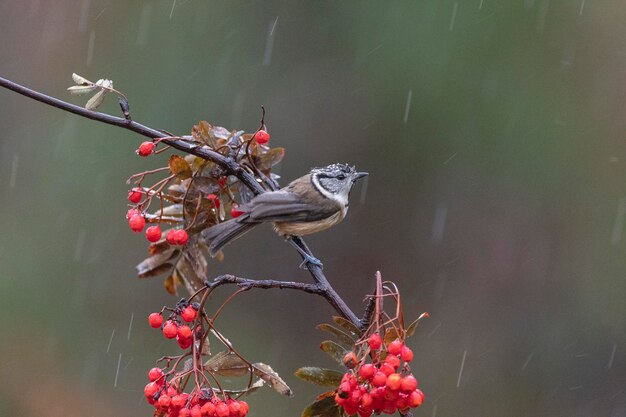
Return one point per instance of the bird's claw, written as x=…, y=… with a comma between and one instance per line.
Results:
x=311, y=260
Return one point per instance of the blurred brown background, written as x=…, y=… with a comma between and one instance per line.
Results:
x=494, y=137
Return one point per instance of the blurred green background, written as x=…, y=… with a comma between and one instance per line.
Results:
x=494, y=137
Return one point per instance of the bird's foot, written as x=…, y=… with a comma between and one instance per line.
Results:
x=308, y=259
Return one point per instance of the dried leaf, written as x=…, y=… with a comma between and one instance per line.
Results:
x=346, y=340
x=333, y=350
x=190, y=267
x=170, y=285
x=411, y=329
x=154, y=262
x=320, y=376
x=81, y=89
x=161, y=269
x=270, y=158
x=391, y=335
x=180, y=167
x=267, y=374
x=95, y=101
x=346, y=324
x=226, y=363
x=259, y=383
x=326, y=407
x=80, y=80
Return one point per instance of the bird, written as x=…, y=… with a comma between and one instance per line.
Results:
x=309, y=204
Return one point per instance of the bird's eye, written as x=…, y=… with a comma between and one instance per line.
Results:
x=341, y=177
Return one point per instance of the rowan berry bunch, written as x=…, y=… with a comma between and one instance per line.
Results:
x=192, y=195
x=384, y=385
x=196, y=368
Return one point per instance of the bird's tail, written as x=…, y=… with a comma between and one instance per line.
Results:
x=222, y=234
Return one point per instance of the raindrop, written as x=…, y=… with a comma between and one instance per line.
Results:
x=582, y=6
x=618, y=225
x=458, y=381
x=144, y=25
x=439, y=224
x=90, y=46
x=528, y=359
x=117, y=372
x=612, y=357
x=84, y=13
x=172, y=11
x=269, y=44
x=363, y=190
x=407, y=107
x=80, y=243
x=111, y=340
x=453, y=18
x=14, y=165
x=130, y=325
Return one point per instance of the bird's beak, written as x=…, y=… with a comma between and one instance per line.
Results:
x=358, y=175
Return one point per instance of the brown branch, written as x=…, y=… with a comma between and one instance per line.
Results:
x=230, y=165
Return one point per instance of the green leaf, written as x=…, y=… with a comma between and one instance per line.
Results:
x=333, y=350
x=346, y=324
x=326, y=407
x=179, y=167
x=346, y=340
x=319, y=376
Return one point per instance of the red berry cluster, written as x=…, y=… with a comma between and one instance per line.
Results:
x=384, y=386
x=136, y=222
x=199, y=403
x=174, y=327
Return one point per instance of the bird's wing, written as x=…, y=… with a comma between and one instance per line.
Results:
x=284, y=206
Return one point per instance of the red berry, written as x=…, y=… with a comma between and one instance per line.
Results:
x=150, y=389
x=208, y=409
x=350, y=360
x=136, y=223
x=394, y=381
x=177, y=237
x=235, y=212
x=184, y=413
x=350, y=410
x=262, y=137
x=214, y=199
x=134, y=195
x=406, y=354
x=389, y=408
x=178, y=401
x=165, y=400
x=387, y=369
x=130, y=213
x=234, y=409
x=170, y=329
x=365, y=412
x=395, y=347
x=184, y=343
x=416, y=398
x=408, y=384
x=155, y=320
x=146, y=148
x=196, y=411
x=367, y=371
x=393, y=360
x=154, y=374
x=222, y=181
x=221, y=410
x=379, y=379
x=184, y=332
x=153, y=233
x=374, y=341
x=188, y=314
x=244, y=408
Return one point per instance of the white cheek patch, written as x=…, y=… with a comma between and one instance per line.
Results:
x=340, y=198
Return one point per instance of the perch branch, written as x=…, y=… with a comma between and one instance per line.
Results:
x=230, y=165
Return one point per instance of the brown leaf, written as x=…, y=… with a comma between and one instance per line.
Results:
x=169, y=285
x=344, y=338
x=411, y=329
x=271, y=377
x=391, y=335
x=326, y=407
x=333, y=350
x=320, y=376
x=179, y=167
x=270, y=158
x=151, y=266
x=226, y=363
x=346, y=324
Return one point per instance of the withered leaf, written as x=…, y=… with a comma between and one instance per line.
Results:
x=179, y=167
x=161, y=269
x=344, y=338
x=270, y=158
x=333, y=350
x=259, y=383
x=391, y=335
x=326, y=407
x=80, y=80
x=190, y=267
x=271, y=377
x=170, y=285
x=411, y=329
x=81, y=89
x=148, y=266
x=226, y=363
x=320, y=376
x=94, y=102
x=346, y=324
